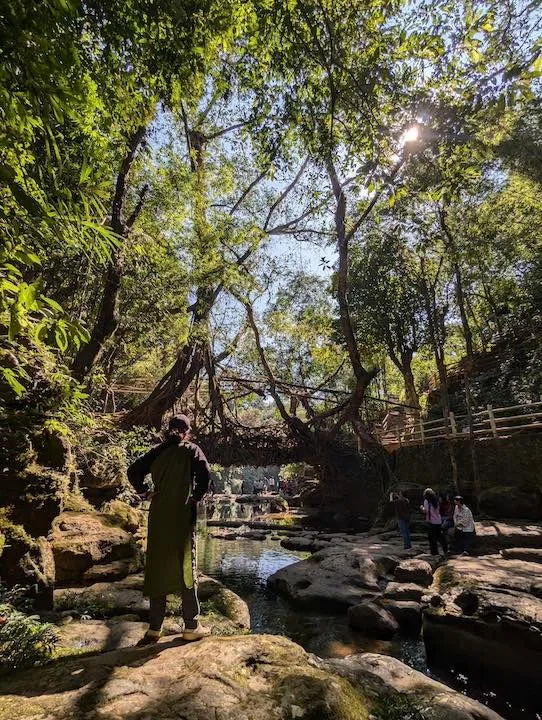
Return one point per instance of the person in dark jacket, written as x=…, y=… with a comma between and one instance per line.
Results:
x=402, y=513
x=180, y=475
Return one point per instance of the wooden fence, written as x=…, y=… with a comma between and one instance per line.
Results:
x=487, y=423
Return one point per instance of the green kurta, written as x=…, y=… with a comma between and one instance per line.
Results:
x=172, y=515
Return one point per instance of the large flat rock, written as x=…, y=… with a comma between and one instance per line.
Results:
x=331, y=579
x=343, y=573
x=125, y=597
x=82, y=540
x=387, y=677
x=493, y=536
x=255, y=677
x=489, y=625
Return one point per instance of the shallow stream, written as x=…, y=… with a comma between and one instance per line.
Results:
x=245, y=565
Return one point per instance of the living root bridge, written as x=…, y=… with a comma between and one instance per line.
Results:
x=351, y=482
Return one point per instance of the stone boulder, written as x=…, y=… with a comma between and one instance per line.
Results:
x=125, y=516
x=490, y=610
x=303, y=543
x=407, y=614
x=390, y=681
x=27, y=562
x=249, y=678
x=123, y=631
x=125, y=597
x=115, y=570
x=255, y=677
x=226, y=603
x=278, y=504
x=528, y=554
x=404, y=591
x=494, y=536
x=510, y=502
x=81, y=540
x=418, y=572
x=331, y=579
x=53, y=449
x=372, y=620
x=36, y=496
x=105, y=599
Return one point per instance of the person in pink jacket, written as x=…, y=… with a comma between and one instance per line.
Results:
x=430, y=509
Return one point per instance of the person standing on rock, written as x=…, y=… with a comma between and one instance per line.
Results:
x=430, y=509
x=465, y=529
x=402, y=513
x=180, y=475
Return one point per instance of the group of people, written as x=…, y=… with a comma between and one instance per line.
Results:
x=442, y=514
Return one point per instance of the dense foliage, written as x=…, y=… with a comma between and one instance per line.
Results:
x=220, y=204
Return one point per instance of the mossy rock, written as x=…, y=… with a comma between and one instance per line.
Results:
x=125, y=516
x=27, y=561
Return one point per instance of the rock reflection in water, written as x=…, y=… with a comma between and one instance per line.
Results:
x=244, y=566
x=226, y=508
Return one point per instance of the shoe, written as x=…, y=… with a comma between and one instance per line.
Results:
x=148, y=640
x=196, y=633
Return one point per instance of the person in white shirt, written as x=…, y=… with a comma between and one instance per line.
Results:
x=465, y=529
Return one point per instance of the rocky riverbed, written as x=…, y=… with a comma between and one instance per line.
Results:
x=481, y=617
x=240, y=678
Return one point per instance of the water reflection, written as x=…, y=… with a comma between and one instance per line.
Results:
x=245, y=565
x=226, y=508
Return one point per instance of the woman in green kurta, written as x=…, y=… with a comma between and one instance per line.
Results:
x=180, y=475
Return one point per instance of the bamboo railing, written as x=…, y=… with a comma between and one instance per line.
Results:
x=488, y=423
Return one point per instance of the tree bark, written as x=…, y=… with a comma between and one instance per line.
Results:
x=460, y=297
x=411, y=395
x=459, y=291
x=107, y=320
x=363, y=377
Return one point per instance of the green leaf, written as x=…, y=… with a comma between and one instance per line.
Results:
x=26, y=200
x=11, y=378
x=27, y=257
x=15, y=324
x=52, y=304
x=28, y=295
x=61, y=337
x=537, y=65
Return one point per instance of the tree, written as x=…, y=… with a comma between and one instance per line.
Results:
x=386, y=300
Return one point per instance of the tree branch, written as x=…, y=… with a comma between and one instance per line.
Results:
x=138, y=208
x=285, y=193
x=120, y=186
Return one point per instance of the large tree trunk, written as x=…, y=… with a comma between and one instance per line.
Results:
x=107, y=320
x=169, y=389
x=459, y=291
x=106, y=323
x=411, y=395
x=404, y=365
x=460, y=297
x=363, y=377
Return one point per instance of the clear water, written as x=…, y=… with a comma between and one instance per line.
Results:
x=245, y=565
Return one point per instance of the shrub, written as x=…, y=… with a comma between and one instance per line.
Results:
x=86, y=606
x=24, y=640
